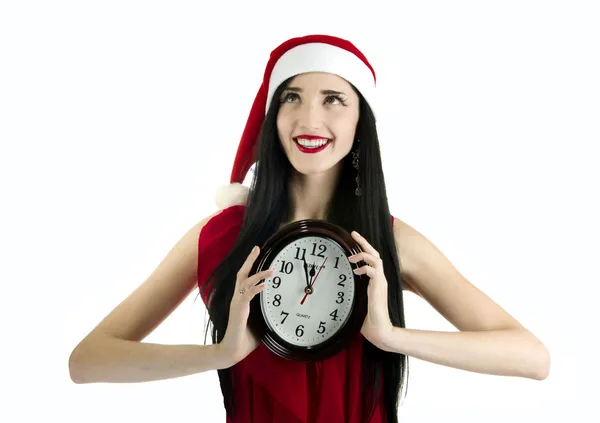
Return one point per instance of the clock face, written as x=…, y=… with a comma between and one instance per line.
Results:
x=311, y=295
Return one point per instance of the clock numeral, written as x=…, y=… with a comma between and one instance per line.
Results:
x=343, y=279
x=334, y=315
x=287, y=267
x=340, y=298
x=298, y=253
x=337, y=261
x=322, y=247
x=299, y=331
x=286, y=316
x=321, y=327
x=276, y=282
x=277, y=300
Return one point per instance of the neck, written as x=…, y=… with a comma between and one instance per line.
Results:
x=310, y=194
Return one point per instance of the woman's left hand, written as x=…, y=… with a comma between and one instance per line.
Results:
x=377, y=327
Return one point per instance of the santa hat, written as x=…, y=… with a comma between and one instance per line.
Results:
x=311, y=53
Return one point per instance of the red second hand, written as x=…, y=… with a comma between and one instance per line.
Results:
x=314, y=280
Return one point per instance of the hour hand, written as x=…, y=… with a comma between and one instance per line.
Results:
x=306, y=272
x=312, y=272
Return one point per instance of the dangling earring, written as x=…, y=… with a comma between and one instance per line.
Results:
x=358, y=190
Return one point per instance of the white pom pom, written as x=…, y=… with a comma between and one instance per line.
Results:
x=231, y=195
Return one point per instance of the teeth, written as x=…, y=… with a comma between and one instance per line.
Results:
x=312, y=143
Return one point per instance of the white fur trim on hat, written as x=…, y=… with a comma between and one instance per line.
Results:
x=231, y=195
x=322, y=57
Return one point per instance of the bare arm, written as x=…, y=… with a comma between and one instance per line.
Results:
x=114, y=352
x=504, y=352
x=489, y=340
x=114, y=360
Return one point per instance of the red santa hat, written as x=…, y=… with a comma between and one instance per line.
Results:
x=311, y=53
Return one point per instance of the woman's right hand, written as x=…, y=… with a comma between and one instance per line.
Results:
x=239, y=341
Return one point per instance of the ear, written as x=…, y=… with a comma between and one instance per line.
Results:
x=231, y=195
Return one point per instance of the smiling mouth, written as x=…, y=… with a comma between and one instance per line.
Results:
x=312, y=144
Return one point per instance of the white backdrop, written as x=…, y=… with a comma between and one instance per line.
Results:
x=119, y=120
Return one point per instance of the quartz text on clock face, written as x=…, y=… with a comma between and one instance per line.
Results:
x=310, y=296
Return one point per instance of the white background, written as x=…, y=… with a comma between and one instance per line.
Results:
x=120, y=119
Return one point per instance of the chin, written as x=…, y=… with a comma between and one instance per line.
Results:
x=308, y=170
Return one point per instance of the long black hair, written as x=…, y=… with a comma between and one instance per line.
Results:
x=268, y=207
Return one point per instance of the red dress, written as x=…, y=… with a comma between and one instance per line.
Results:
x=275, y=390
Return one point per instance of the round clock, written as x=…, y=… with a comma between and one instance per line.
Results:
x=314, y=304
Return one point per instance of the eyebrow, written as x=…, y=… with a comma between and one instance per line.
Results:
x=325, y=92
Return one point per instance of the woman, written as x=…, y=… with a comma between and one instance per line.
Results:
x=312, y=134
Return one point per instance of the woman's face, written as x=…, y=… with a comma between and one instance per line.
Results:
x=317, y=121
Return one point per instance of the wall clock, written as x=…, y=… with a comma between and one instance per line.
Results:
x=314, y=304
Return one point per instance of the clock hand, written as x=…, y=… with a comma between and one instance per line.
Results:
x=314, y=280
x=320, y=268
x=312, y=273
x=306, y=272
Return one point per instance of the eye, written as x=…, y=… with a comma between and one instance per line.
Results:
x=334, y=99
x=289, y=96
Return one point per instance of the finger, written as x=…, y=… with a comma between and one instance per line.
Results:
x=366, y=270
x=255, y=290
x=250, y=287
x=367, y=258
x=254, y=279
x=365, y=244
x=247, y=266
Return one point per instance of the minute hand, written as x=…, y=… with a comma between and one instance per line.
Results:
x=306, y=272
x=314, y=279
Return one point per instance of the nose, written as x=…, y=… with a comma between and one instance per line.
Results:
x=310, y=115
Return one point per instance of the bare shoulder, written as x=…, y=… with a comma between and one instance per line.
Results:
x=422, y=262
x=405, y=237
x=410, y=242
x=435, y=278
x=160, y=294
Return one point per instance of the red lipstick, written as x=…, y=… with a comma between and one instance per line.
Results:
x=313, y=150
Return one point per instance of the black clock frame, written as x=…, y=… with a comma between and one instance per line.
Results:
x=256, y=322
